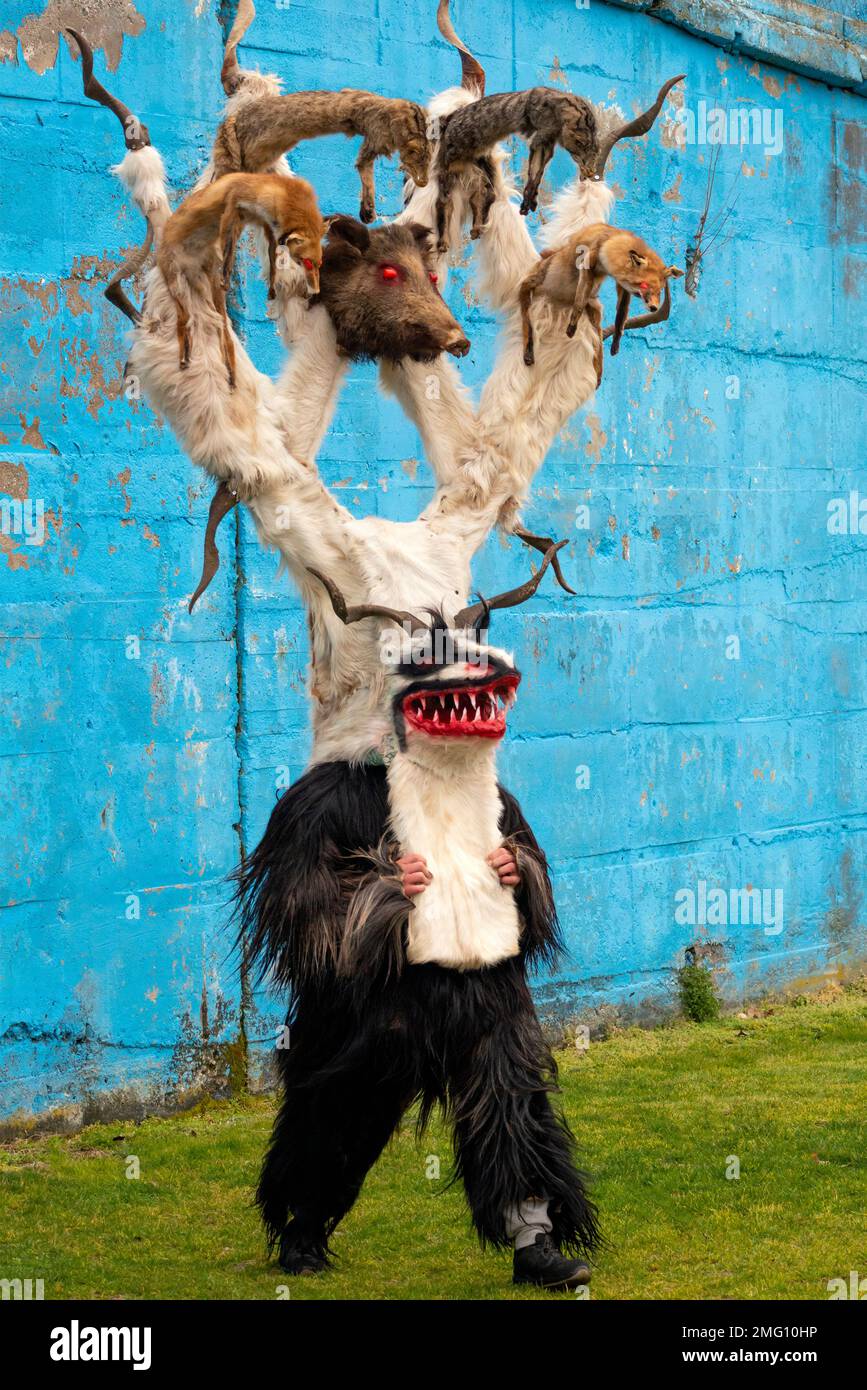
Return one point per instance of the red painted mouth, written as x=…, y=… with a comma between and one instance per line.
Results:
x=477, y=711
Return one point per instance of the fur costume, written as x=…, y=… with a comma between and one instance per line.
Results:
x=392, y=1001
x=395, y=1002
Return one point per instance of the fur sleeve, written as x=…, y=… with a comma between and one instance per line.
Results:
x=541, y=939
x=374, y=937
x=320, y=894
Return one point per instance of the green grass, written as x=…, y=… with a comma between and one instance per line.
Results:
x=657, y=1115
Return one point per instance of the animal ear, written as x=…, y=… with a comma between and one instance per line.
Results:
x=674, y=272
x=347, y=229
x=636, y=258
x=421, y=233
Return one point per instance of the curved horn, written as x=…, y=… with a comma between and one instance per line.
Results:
x=640, y=126
x=222, y=503
x=135, y=133
x=543, y=544
x=364, y=610
x=231, y=75
x=469, y=617
x=473, y=72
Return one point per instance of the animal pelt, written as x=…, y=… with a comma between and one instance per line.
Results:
x=545, y=116
x=256, y=133
x=261, y=124
x=143, y=175
x=572, y=275
x=318, y=896
x=468, y=188
x=468, y=1043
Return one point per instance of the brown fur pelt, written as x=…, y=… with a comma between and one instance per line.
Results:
x=379, y=287
x=545, y=117
x=254, y=136
x=570, y=276
x=198, y=242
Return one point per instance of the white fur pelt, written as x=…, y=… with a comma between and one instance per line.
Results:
x=143, y=175
x=307, y=390
x=440, y=406
x=579, y=204
x=445, y=805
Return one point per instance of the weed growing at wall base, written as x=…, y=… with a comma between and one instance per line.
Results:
x=697, y=995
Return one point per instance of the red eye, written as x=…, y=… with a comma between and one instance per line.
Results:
x=434, y=278
x=390, y=272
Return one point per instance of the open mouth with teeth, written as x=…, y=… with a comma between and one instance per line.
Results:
x=477, y=711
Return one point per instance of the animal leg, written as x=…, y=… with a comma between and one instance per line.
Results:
x=510, y=1142
x=540, y=158
x=594, y=314
x=623, y=301
x=526, y=295
x=583, y=292
x=482, y=198
x=182, y=317
x=444, y=208
x=227, y=237
x=364, y=165
x=218, y=296
x=272, y=259
x=334, y=1121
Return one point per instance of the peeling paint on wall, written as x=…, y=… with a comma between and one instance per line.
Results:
x=104, y=23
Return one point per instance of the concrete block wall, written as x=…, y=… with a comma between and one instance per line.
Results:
x=697, y=716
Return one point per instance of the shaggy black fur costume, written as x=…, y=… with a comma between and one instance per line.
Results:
x=371, y=1034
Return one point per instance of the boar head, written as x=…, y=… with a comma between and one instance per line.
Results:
x=379, y=286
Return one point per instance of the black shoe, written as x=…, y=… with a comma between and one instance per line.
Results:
x=300, y=1253
x=541, y=1263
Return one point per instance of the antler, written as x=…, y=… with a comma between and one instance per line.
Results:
x=469, y=617
x=365, y=610
x=642, y=320
x=231, y=75
x=473, y=72
x=543, y=544
x=136, y=136
x=640, y=126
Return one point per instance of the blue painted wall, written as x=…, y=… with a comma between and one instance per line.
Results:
x=698, y=715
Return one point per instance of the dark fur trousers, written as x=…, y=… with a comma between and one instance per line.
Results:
x=371, y=1034
x=469, y=1042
